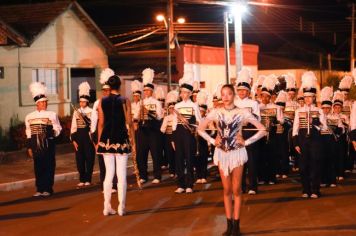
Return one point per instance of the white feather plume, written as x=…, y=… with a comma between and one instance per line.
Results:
x=147, y=76
x=326, y=94
x=202, y=97
x=84, y=89
x=260, y=80
x=37, y=88
x=172, y=96
x=244, y=75
x=187, y=78
x=159, y=93
x=309, y=80
x=196, y=86
x=346, y=82
x=270, y=82
x=136, y=86
x=338, y=95
x=290, y=80
x=105, y=75
x=282, y=97
x=217, y=92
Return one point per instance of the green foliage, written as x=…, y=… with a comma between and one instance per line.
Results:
x=66, y=123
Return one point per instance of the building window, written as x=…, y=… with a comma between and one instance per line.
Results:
x=48, y=77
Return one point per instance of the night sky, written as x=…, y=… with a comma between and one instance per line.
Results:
x=275, y=29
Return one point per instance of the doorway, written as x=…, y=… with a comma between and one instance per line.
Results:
x=79, y=75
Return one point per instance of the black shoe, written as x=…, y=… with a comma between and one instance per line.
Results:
x=236, y=228
x=229, y=228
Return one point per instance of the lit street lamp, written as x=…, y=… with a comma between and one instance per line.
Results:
x=170, y=43
x=237, y=10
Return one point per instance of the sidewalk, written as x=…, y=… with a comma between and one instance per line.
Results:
x=16, y=169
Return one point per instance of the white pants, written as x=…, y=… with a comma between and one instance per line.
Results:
x=118, y=163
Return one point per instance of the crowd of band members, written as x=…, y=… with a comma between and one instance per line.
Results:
x=318, y=139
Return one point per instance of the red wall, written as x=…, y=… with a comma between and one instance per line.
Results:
x=212, y=56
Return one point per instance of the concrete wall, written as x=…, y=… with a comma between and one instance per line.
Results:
x=65, y=44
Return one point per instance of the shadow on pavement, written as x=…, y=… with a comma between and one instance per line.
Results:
x=306, y=229
x=177, y=208
x=30, y=214
x=68, y=193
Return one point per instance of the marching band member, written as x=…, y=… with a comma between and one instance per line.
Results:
x=149, y=135
x=169, y=125
x=187, y=113
x=270, y=115
x=159, y=95
x=81, y=137
x=230, y=153
x=289, y=112
x=196, y=90
x=258, y=88
x=42, y=127
x=136, y=89
x=344, y=87
x=242, y=101
x=282, y=132
x=342, y=144
x=114, y=144
x=105, y=91
x=300, y=98
x=353, y=125
x=329, y=139
x=291, y=90
x=202, y=147
x=306, y=138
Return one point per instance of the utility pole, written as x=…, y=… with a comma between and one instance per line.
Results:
x=170, y=37
x=238, y=41
x=227, y=47
x=352, y=52
x=321, y=68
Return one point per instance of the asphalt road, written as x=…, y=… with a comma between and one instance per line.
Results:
x=157, y=210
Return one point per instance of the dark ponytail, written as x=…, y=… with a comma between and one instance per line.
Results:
x=114, y=82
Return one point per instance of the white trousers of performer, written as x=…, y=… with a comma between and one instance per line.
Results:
x=118, y=163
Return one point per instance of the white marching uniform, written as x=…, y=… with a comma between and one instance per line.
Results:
x=41, y=129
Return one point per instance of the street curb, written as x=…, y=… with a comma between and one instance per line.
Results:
x=6, y=187
x=11, y=186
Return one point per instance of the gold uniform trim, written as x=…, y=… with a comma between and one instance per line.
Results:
x=115, y=146
x=187, y=112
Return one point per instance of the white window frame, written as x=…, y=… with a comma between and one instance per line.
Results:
x=47, y=76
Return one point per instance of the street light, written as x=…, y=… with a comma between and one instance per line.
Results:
x=170, y=43
x=237, y=10
x=181, y=20
x=161, y=18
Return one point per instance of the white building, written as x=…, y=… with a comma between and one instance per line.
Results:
x=55, y=43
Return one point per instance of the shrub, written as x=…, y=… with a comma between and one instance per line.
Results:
x=66, y=123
